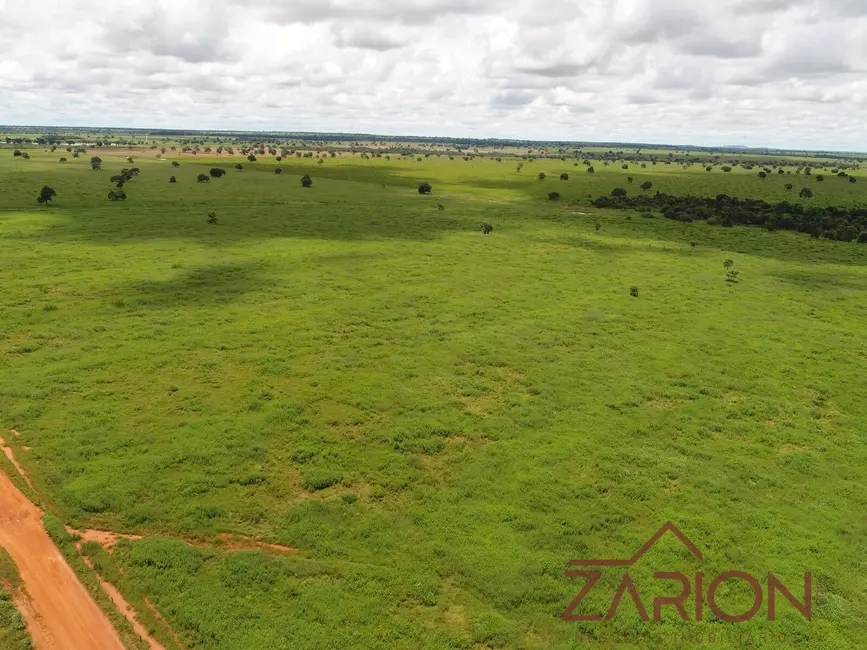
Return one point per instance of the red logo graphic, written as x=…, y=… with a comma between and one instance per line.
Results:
x=626, y=584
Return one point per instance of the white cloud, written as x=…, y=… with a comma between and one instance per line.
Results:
x=759, y=72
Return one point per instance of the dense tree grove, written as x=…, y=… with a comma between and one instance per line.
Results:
x=831, y=222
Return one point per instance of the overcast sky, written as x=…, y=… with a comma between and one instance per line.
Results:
x=785, y=73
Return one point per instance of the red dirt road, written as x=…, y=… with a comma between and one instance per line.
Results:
x=60, y=613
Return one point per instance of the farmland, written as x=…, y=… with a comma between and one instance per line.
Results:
x=426, y=423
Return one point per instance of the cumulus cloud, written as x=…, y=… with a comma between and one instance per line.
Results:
x=783, y=73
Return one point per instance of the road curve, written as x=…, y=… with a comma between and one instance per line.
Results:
x=60, y=613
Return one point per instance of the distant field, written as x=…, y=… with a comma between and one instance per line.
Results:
x=437, y=420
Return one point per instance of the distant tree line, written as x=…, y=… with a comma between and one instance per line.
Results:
x=839, y=223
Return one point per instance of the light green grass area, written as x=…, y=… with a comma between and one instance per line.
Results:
x=438, y=420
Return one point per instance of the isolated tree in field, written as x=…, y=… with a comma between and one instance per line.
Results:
x=278, y=170
x=763, y=175
x=820, y=177
x=646, y=185
x=96, y=162
x=203, y=178
x=553, y=196
x=251, y=158
x=424, y=188
x=727, y=264
x=16, y=153
x=618, y=191
x=732, y=275
x=806, y=193
x=46, y=194
x=624, y=166
x=175, y=163
x=440, y=207
x=487, y=228
x=239, y=166
x=789, y=186
x=172, y=179
x=216, y=172
x=117, y=195
x=542, y=176
x=564, y=177
x=852, y=179
x=629, y=179
x=633, y=291
x=212, y=218
x=590, y=170
x=63, y=160
x=306, y=181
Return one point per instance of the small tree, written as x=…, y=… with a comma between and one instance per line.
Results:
x=203, y=178
x=789, y=186
x=117, y=195
x=239, y=166
x=46, y=194
x=820, y=177
x=564, y=177
x=731, y=275
x=63, y=160
x=763, y=175
x=728, y=264
x=175, y=163
x=629, y=179
x=212, y=218
x=646, y=185
x=542, y=176
x=119, y=180
x=96, y=163
x=424, y=188
x=306, y=181
x=633, y=291
x=251, y=158
x=590, y=170
x=618, y=191
x=16, y=153
x=278, y=170
x=852, y=179
x=553, y=196
x=216, y=172
x=726, y=168
x=598, y=226
x=173, y=180
x=806, y=193
x=487, y=228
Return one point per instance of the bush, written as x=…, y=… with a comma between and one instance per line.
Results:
x=564, y=177
x=618, y=191
x=320, y=480
x=726, y=168
x=216, y=172
x=172, y=179
x=542, y=176
x=278, y=170
x=212, y=218
x=46, y=194
x=251, y=158
x=789, y=186
x=239, y=166
x=852, y=179
x=203, y=178
x=763, y=175
x=63, y=160
x=553, y=196
x=646, y=185
x=306, y=181
x=424, y=188
x=633, y=291
x=117, y=195
x=175, y=163
x=647, y=215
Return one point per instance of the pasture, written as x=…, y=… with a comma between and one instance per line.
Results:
x=433, y=420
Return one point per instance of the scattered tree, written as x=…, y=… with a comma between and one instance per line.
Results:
x=424, y=188
x=16, y=153
x=239, y=166
x=212, y=218
x=173, y=180
x=806, y=193
x=278, y=170
x=306, y=181
x=251, y=158
x=728, y=264
x=618, y=191
x=487, y=228
x=646, y=185
x=590, y=170
x=216, y=172
x=553, y=196
x=175, y=163
x=96, y=163
x=564, y=177
x=542, y=176
x=63, y=160
x=203, y=178
x=763, y=175
x=117, y=195
x=789, y=186
x=820, y=177
x=46, y=194
x=852, y=179
x=633, y=291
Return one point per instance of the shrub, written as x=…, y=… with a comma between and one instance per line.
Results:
x=731, y=275
x=553, y=196
x=212, y=218
x=590, y=170
x=564, y=177
x=16, y=153
x=175, y=163
x=633, y=291
x=542, y=176
x=726, y=168
x=487, y=228
x=852, y=179
x=216, y=172
x=278, y=170
x=251, y=158
x=712, y=221
x=239, y=166
x=63, y=160
x=424, y=188
x=203, y=178
x=172, y=179
x=789, y=186
x=618, y=191
x=306, y=181
x=117, y=195
x=820, y=178
x=728, y=264
x=320, y=480
x=646, y=185
x=46, y=194
x=763, y=175
x=647, y=215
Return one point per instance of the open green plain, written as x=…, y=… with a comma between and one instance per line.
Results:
x=437, y=420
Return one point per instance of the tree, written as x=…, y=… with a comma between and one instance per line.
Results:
x=96, y=162
x=278, y=170
x=624, y=166
x=820, y=177
x=629, y=179
x=487, y=228
x=239, y=166
x=175, y=163
x=728, y=264
x=216, y=172
x=852, y=179
x=251, y=158
x=789, y=186
x=16, y=153
x=212, y=218
x=726, y=168
x=646, y=185
x=542, y=176
x=633, y=291
x=564, y=177
x=806, y=193
x=553, y=196
x=763, y=175
x=118, y=180
x=46, y=194
x=618, y=191
x=590, y=170
x=203, y=178
x=172, y=179
x=306, y=181
x=117, y=195
x=424, y=188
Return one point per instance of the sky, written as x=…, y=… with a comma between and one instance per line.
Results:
x=777, y=73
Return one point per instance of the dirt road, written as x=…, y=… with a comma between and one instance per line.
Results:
x=60, y=613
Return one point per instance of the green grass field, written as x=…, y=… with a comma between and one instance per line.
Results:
x=436, y=419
